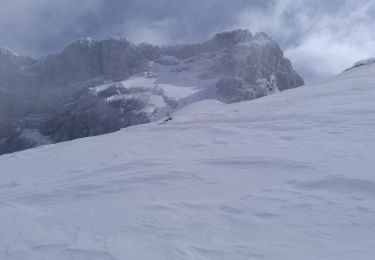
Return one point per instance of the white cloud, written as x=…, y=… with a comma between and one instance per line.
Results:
x=322, y=38
x=156, y=32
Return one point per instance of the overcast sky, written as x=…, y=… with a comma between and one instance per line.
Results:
x=321, y=37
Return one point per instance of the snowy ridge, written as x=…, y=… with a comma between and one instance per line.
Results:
x=368, y=62
x=289, y=176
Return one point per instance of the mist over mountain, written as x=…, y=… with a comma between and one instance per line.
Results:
x=321, y=38
x=186, y=130
x=95, y=87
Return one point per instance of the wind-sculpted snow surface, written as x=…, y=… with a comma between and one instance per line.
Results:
x=289, y=176
x=95, y=87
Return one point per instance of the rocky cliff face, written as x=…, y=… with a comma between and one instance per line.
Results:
x=97, y=87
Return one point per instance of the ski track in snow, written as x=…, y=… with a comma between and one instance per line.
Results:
x=289, y=176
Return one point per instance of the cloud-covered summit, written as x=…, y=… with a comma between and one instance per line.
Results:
x=320, y=37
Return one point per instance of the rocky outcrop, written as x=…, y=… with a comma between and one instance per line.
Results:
x=254, y=66
x=229, y=39
x=80, y=61
x=362, y=63
x=83, y=90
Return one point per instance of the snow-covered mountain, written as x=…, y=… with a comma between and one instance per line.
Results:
x=96, y=87
x=288, y=176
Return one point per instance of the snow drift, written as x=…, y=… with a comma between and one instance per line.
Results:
x=289, y=176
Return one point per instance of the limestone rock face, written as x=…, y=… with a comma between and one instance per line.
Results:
x=249, y=62
x=78, y=62
x=121, y=59
x=94, y=87
x=229, y=39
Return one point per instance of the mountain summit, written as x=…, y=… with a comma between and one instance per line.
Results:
x=95, y=87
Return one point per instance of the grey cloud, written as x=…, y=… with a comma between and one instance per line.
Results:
x=39, y=26
x=320, y=37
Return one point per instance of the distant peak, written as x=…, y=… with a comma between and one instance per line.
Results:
x=231, y=38
x=365, y=62
x=240, y=33
x=86, y=41
x=362, y=63
x=114, y=38
x=117, y=39
x=262, y=36
x=8, y=52
x=234, y=37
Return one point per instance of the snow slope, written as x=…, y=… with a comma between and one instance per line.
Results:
x=168, y=85
x=289, y=176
